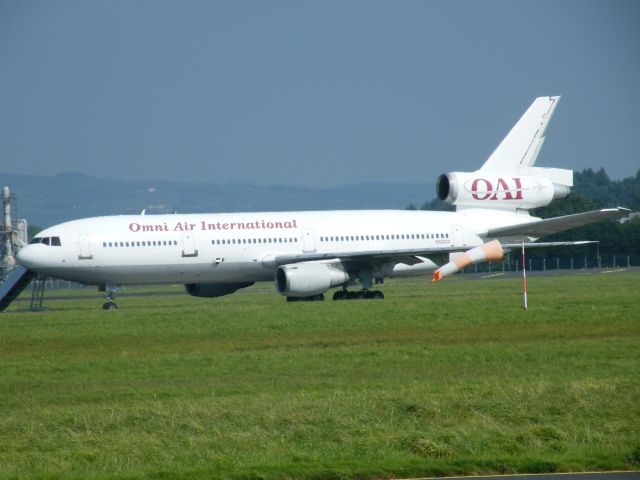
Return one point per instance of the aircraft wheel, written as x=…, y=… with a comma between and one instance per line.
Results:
x=378, y=295
x=109, y=306
x=340, y=295
x=319, y=297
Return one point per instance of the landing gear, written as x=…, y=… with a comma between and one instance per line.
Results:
x=109, y=306
x=360, y=295
x=111, y=293
x=312, y=298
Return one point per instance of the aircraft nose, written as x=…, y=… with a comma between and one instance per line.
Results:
x=27, y=257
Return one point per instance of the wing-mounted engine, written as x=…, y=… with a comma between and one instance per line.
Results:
x=306, y=279
x=505, y=191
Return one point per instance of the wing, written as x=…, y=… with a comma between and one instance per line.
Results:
x=548, y=226
x=369, y=257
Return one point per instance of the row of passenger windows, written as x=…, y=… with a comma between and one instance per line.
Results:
x=52, y=241
x=237, y=241
x=407, y=236
x=144, y=243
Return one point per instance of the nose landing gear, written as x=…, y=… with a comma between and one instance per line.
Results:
x=111, y=294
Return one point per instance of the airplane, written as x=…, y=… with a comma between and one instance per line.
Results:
x=308, y=253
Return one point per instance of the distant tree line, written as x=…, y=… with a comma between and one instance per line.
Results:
x=592, y=190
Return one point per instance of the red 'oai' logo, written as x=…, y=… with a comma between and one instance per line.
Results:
x=502, y=188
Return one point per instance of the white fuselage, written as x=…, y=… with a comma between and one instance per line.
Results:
x=238, y=247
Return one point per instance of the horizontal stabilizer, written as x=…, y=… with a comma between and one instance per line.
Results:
x=13, y=285
x=548, y=226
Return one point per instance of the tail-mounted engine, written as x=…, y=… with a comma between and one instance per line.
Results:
x=509, y=191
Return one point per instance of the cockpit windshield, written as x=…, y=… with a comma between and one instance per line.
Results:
x=51, y=241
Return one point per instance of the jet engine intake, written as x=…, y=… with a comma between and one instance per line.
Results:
x=306, y=279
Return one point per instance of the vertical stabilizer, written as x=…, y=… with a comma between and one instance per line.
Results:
x=521, y=146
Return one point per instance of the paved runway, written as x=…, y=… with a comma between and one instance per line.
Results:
x=551, y=476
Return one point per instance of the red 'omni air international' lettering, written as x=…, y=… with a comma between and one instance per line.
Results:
x=502, y=189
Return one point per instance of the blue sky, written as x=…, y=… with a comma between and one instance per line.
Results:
x=311, y=93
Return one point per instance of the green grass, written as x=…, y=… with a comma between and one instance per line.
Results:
x=434, y=380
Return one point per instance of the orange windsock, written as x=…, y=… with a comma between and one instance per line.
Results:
x=487, y=252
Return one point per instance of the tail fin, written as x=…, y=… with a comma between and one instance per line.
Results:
x=508, y=180
x=521, y=146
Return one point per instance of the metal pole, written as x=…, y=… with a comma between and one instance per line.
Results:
x=524, y=278
x=8, y=260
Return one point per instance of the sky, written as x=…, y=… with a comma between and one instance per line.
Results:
x=311, y=93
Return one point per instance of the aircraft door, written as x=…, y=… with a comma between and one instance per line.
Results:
x=457, y=236
x=308, y=241
x=84, y=247
x=189, y=245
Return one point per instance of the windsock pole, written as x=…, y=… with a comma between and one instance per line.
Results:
x=524, y=279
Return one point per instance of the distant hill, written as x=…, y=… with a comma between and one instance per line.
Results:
x=45, y=201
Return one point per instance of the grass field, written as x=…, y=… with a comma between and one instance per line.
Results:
x=446, y=379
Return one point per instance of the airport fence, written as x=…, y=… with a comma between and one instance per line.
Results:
x=513, y=263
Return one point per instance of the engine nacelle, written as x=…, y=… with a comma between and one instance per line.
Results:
x=494, y=190
x=306, y=279
x=210, y=290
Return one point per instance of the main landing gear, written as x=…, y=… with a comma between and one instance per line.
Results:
x=312, y=298
x=111, y=294
x=360, y=295
x=366, y=277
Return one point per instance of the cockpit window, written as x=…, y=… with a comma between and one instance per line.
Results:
x=53, y=241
